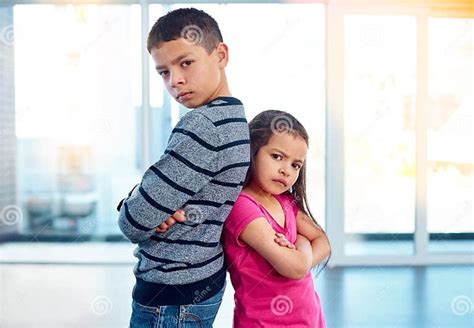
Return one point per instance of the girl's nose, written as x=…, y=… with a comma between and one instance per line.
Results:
x=284, y=171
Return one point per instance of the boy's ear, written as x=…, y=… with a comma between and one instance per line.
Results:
x=222, y=52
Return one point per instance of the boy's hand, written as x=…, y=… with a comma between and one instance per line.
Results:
x=178, y=216
x=282, y=241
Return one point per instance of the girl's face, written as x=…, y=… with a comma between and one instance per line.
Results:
x=277, y=164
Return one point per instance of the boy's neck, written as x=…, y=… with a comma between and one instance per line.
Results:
x=223, y=90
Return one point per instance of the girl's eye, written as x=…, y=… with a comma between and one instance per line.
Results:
x=186, y=63
x=276, y=156
x=163, y=73
x=297, y=166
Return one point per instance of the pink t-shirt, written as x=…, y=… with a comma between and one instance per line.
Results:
x=263, y=297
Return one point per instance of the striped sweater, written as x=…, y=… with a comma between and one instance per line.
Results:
x=202, y=171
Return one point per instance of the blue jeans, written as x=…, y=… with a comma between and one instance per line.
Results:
x=199, y=315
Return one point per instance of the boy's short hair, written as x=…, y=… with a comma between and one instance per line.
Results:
x=191, y=24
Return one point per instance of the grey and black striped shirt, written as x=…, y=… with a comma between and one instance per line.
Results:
x=202, y=171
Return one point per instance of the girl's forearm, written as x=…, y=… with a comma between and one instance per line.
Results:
x=320, y=250
x=296, y=262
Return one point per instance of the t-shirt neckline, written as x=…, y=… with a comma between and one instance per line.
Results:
x=278, y=198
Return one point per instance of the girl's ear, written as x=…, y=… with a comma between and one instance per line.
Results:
x=222, y=52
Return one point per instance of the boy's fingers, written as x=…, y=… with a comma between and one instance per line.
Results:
x=170, y=221
x=179, y=216
x=162, y=227
x=165, y=225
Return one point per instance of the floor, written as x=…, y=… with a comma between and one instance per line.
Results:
x=98, y=294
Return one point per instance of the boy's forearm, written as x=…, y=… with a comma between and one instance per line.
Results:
x=140, y=213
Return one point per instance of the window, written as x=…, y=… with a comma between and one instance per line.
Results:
x=77, y=90
x=450, y=135
x=379, y=133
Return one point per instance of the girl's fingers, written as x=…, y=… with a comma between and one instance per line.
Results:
x=282, y=241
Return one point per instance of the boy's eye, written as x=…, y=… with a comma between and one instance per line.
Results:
x=163, y=73
x=186, y=63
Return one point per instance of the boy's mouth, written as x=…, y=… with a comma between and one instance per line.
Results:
x=182, y=96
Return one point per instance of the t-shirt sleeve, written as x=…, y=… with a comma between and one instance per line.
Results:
x=243, y=212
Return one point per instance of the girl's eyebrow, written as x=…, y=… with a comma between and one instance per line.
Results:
x=286, y=155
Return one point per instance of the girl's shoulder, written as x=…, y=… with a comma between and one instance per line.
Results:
x=245, y=209
x=285, y=199
x=245, y=200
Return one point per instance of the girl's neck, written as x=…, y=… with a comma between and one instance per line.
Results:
x=258, y=193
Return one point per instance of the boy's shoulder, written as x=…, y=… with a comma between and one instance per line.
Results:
x=222, y=108
x=212, y=123
x=218, y=112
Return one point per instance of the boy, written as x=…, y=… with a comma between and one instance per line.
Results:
x=180, y=275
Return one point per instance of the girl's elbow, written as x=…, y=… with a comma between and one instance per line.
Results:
x=299, y=273
x=327, y=250
x=296, y=272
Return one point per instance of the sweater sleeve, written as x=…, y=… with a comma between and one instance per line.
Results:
x=189, y=163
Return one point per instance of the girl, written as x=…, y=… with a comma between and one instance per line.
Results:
x=270, y=240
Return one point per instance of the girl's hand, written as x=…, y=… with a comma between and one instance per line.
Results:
x=282, y=241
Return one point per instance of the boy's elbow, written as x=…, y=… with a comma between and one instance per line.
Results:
x=135, y=236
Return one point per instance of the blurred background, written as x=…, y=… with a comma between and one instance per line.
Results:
x=384, y=88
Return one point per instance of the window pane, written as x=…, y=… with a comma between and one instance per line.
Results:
x=450, y=135
x=156, y=85
x=379, y=99
x=10, y=214
x=77, y=89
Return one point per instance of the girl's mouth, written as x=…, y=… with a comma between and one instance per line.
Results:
x=282, y=182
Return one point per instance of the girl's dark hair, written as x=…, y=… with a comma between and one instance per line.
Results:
x=189, y=23
x=262, y=128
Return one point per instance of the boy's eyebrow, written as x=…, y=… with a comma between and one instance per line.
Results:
x=286, y=155
x=174, y=61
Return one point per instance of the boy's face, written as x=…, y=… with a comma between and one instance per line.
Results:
x=191, y=75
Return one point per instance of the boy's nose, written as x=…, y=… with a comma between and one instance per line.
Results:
x=176, y=78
